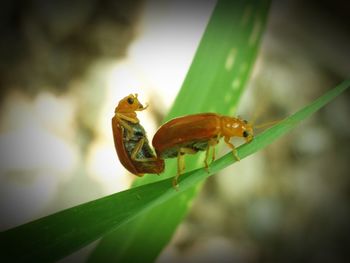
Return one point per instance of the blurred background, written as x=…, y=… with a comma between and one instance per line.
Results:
x=65, y=65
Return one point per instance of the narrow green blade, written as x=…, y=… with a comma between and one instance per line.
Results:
x=56, y=236
x=214, y=83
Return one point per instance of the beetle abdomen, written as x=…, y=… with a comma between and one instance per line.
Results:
x=156, y=166
x=130, y=144
x=194, y=145
x=125, y=147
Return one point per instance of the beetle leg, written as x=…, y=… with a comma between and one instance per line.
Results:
x=234, y=151
x=206, y=158
x=137, y=149
x=121, y=116
x=181, y=163
x=180, y=168
x=211, y=144
x=213, y=155
x=123, y=119
x=126, y=126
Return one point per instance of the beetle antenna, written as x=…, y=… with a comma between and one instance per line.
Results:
x=257, y=114
x=262, y=125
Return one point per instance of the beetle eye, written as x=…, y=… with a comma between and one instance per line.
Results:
x=245, y=134
x=130, y=100
x=245, y=121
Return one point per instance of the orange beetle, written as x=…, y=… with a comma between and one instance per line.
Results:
x=198, y=132
x=130, y=139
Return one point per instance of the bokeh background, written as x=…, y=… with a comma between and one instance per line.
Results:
x=64, y=65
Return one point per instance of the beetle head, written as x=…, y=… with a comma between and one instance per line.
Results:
x=129, y=104
x=247, y=130
x=237, y=127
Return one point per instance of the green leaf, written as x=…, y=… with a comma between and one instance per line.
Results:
x=214, y=83
x=56, y=236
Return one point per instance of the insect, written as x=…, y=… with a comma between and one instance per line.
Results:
x=131, y=141
x=198, y=132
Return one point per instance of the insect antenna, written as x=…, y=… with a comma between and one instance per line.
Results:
x=260, y=110
x=266, y=124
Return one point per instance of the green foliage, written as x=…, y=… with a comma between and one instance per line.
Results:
x=214, y=83
x=55, y=236
x=136, y=224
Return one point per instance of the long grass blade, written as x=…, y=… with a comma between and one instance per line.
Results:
x=214, y=83
x=56, y=236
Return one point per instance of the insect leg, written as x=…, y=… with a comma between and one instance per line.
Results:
x=121, y=117
x=126, y=126
x=206, y=158
x=211, y=143
x=137, y=149
x=229, y=144
x=180, y=167
x=181, y=163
